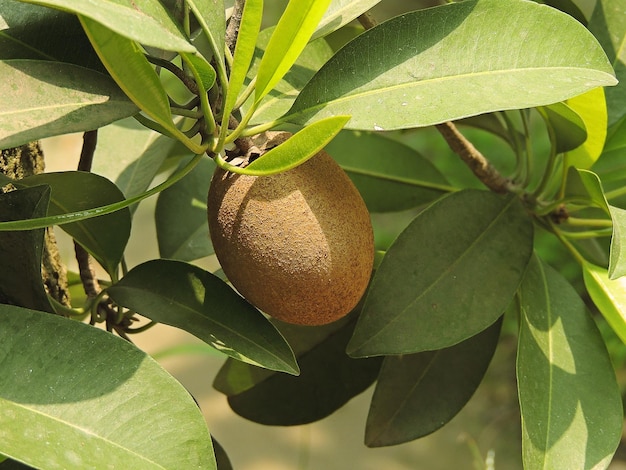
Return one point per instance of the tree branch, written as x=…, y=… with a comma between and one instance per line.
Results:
x=232, y=30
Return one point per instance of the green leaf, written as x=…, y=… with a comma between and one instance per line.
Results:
x=185, y=296
x=340, y=13
x=144, y=21
x=617, y=257
x=292, y=33
x=104, y=237
x=569, y=399
x=35, y=32
x=20, y=252
x=389, y=175
x=280, y=99
x=41, y=98
x=591, y=107
x=204, y=72
x=608, y=24
x=583, y=187
x=79, y=396
x=417, y=69
x=328, y=379
x=298, y=148
x=416, y=394
x=567, y=127
x=181, y=217
x=244, y=50
x=569, y=7
x=129, y=67
x=609, y=295
x=449, y=275
x=210, y=15
x=611, y=166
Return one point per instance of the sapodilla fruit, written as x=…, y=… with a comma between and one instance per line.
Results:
x=298, y=245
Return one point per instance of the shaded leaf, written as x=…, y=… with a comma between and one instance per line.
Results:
x=389, y=175
x=608, y=24
x=609, y=296
x=416, y=394
x=35, y=32
x=41, y=98
x=298, y=148
x=181, y=217
x=569, y=399
x=417, y=69
x=449, y=275
x=144, y=21
x=569, y=7
x=583, y=187
x=189, y=298
x=210, y=15
x=20, y=252
x=340, y=13
x=72, y=401
x=104, y=237
x=591, y=107
x=328, y=379
x=568, y=128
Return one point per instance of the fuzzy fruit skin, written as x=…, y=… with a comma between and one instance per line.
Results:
x=298, y=245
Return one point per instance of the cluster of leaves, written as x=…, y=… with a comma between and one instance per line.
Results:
x=168, y=86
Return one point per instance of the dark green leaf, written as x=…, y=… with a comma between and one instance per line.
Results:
x=210, y=15
x=187, y=297
x=608, y=24
x=104, y=237
x=389, y=175
x=448, y=276
x=568, y=129
x=41, y=98
x=181, y=217
x=144, y=21
x=416, y=394
x=36, y=32
x=417, y=69
x=328, y=379
x=569, y=399
x=78, y=395
x=584, y=187
x=20, y=252
x=569, y=7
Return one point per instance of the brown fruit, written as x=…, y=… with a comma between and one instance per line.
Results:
x=298, y=245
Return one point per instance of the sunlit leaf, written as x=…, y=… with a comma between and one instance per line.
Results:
x=340, y=13
x=609, y=295
x=449, y=275
x=418, y=69
x=194, y=300
x=41, y=98
x=617, y=258
x=570, y=402
x=78, y=395
x=591, y=107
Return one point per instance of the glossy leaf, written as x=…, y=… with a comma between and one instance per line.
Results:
x=591, y=107
x=210, y=15
x=340, y=13
x=569, y=399
x=189, y=298
x=416, y=69
x=20, y=252
x=617, y=258
x=416, y=394
x=41, y=98
x=292, y=33
x=144, y=21
x=104, y=237
x=389, y=175
x=328, y=379
x=181, y=217
x=129, y=67
x=244, y=50
x=78, y=395
x=298, y=148
x=608, y=24
x=609, y=296
x=280, y=99
x=449, y=275
x=567, y=127
x=34, y=32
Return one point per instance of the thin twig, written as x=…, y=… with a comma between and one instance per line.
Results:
x=475, y=160
x=232, y=30
x=177, y=71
